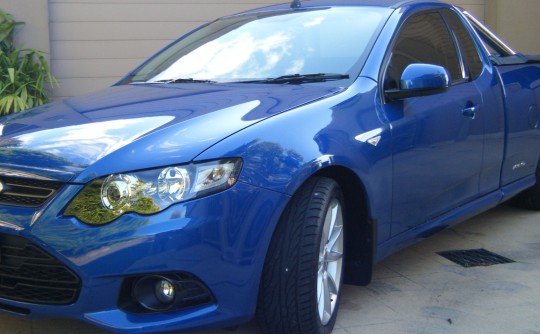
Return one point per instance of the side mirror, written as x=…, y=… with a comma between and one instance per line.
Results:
x=420, y=80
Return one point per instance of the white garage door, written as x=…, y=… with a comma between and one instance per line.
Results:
x=96, y=42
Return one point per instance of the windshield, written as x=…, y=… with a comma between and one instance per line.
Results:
x=269, y=45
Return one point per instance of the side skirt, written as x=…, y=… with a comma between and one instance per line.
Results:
x=453, y=217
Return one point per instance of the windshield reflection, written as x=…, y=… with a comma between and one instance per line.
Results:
x=247, y=47
x=239, y=57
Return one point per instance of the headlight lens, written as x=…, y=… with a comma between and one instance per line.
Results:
x=151, y=191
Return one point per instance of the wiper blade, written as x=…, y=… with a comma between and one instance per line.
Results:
x=301, y=78
x=177, y=80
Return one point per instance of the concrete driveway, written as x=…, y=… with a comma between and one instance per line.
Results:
x=418, y=291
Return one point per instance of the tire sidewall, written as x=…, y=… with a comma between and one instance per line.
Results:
x=335, y=193
x=287, y=302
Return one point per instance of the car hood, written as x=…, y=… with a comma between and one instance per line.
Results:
x=137, y=126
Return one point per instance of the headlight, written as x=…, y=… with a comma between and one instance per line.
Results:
x=151, y=191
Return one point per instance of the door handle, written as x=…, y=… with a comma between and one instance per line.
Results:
x=471, y=111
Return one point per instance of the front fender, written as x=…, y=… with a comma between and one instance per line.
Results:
x=283, y=151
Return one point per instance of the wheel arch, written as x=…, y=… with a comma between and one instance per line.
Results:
x=361, y=232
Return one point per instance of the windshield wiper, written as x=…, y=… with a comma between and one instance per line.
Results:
x=301, y=78
x=177, y=80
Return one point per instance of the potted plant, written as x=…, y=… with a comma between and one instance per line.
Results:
x=24, y=73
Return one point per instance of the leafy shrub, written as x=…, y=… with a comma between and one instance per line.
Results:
x=23, y=72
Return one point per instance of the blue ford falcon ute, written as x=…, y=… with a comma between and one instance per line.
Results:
x=260, y=162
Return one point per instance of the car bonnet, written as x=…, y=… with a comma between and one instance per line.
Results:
x=135, y=127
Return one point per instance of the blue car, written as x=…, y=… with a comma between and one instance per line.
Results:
x=260, y=162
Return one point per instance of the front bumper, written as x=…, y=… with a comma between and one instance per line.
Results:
x=221, y=239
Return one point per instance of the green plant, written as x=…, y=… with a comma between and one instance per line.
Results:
x=24, y=73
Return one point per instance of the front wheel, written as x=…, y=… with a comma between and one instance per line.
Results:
x=302, y=277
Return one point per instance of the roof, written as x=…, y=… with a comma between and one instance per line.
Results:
x=390, y=4
x=375, y=3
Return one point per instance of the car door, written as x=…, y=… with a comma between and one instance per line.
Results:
x=487, y=82
x=437, y=139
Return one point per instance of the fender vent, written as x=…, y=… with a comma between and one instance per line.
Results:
x=474, y=258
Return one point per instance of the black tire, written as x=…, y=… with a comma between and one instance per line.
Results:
x=530, y=198
x=293, y=272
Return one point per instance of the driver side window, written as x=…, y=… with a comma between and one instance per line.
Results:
x=424, y=39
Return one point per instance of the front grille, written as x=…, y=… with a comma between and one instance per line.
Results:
x=29, y=274
x=26, y=192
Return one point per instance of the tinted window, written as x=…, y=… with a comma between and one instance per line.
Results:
x=423, y=39
x=468, y=48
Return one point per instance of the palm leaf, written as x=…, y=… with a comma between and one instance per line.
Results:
x=24, y=73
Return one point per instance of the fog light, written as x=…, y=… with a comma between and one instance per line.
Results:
x=165, y=291
x=156, y=293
